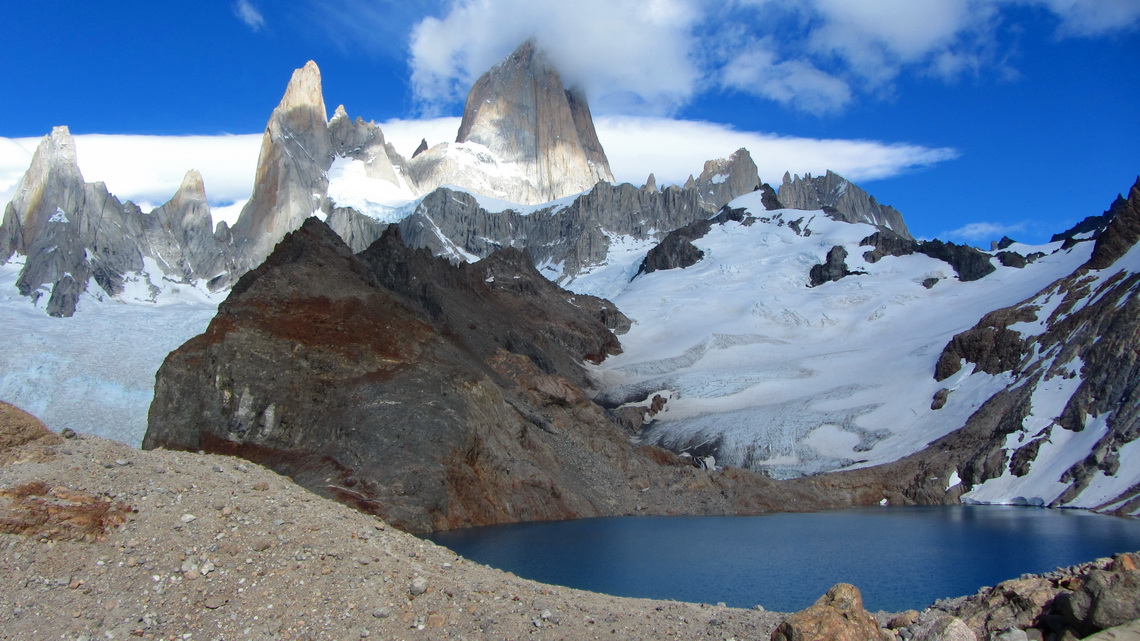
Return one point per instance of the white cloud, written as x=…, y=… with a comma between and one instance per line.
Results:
x=809, y=55
x=673, y=149
x=624, y=53
x=149, y=169
x=405, y=135
x=980, y=232
x=792, y=82
x=247, y=13
x=1083, y=18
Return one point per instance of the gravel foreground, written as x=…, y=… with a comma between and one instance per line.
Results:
x=119, y=543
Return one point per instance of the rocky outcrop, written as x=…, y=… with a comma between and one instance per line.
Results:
x=437, y=396
x=969, y=263
x=849, y=202
x=574, y=235
x=364, y=141
x=69, y=230
x=1091, y=226
x=1068, y=603
x=990, y=345
x=833, y=268
x=355, y=229
x=180, y=236
x=1121, y=234
x=290, y=183
x=838, y=615
x=1089, y=334
x=724, y=179
x=23, y=437
x=677, y=251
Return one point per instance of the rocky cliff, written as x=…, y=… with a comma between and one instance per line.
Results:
x=181, y=238
x=291, y=182
x=841, y=198
x=572, y=237
x=437, y=396
x=71, y=232
x=522, y=113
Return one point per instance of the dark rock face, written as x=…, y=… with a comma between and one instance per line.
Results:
x=435, y=396
x=969, y=263
x=769, y=199
x=1012, y=259
x=887, y=243
x=848, y=201
x=677, y=250
x=989, y=344
x=1121, y=234
x=317, y=369
x=832, y=269
x=1092, y=225
x=576, y=236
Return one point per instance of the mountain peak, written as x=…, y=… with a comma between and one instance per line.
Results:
x=1121, y=234
x=849, y=202
x=192, y=183
x=304, y=90
x=522, y=112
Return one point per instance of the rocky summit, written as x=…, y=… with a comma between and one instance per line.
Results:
x=841, y=199
x=522, y=113
x=72, y=232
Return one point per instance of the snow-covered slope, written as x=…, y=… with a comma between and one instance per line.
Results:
x=94, y=372
x=765, y=372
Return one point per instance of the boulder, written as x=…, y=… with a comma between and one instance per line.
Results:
x=23, y=437
x=942, y=628
x=837, y=616
x=1126, y=632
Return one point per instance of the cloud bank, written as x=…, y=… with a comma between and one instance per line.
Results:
x=673, y=149
x=149, y=169
x=815, y=56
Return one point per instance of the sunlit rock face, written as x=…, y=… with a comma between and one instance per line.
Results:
x=534, y=138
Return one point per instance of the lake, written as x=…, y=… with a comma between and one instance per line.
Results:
x=899, y=557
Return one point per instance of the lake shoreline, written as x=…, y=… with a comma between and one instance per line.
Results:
x=216, y=546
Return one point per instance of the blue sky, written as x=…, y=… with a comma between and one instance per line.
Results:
x=991, y=117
